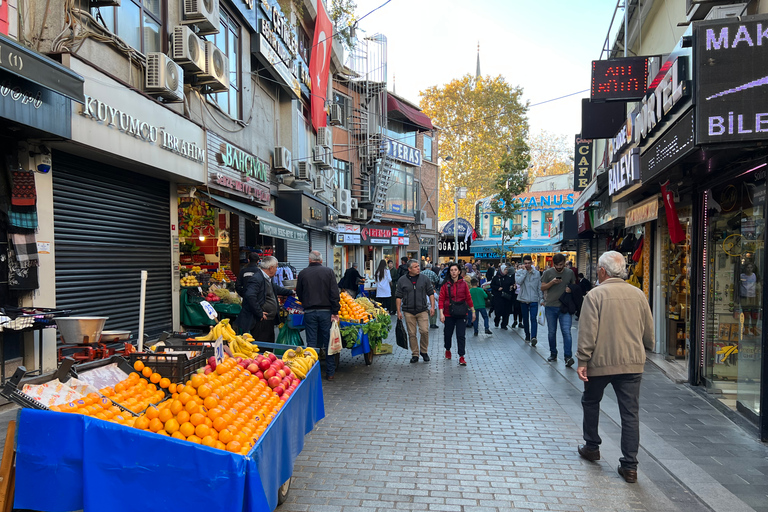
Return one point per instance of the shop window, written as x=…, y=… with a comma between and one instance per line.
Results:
x=403, y=190
x=427, y=154
x=341, y=174
x=345, y=103
x=137, y=22
x=228, y=41
x=547, y=223
x=517, y=222
x=496, y=225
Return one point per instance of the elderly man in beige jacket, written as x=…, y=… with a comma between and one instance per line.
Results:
x=615, y=328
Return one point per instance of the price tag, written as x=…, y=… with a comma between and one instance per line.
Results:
x=200, y=289
x=218, y=349
x=212, y=314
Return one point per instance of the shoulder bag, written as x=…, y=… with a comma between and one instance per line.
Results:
x=457, y=308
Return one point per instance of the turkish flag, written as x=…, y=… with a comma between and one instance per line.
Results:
x=676, y=232
x=320, y=64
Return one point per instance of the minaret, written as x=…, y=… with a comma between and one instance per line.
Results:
x=477, y=73
x=394, y=84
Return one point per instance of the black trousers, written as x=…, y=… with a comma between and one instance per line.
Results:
x=264, y=330
x=460, y=325
x=501, y=309
x=517, y=312
x=627, y=388
x=385, y=303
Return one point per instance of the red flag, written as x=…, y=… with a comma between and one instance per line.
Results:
x=676, y=232
x=319, y=65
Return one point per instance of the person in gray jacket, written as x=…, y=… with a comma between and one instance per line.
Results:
x=414, y=296
x=529, y=296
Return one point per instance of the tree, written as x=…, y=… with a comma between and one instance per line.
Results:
x=478, y=118
x=550, y=154
x=342, y=15
x=511, y=181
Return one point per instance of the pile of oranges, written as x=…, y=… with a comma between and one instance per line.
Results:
x=351, y=311
x=98, y=407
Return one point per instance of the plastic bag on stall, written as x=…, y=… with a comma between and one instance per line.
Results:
x=288, y=336
x=334, y=344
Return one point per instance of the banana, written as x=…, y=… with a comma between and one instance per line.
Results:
x=299, y=372
x=305, y=365
x=312, y=352
x=216, y=331
x=289, y=354
x=240, y=354
x=207, y=337
x=255, y=348
x=229, y=328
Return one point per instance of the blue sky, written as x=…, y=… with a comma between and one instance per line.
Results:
x=546, y=47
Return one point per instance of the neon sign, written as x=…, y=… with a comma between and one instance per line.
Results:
x=619, y=79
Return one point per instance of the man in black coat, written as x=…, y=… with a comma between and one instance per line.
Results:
x=260, y=304
x=247, y=272
x=402, y=270
x=351, y=280
x=502, y=287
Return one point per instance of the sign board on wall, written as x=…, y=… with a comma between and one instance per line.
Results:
x=732, y=96
x=403, y=152
x=352, y=234
x=619, y=79
x=32, y=105
x=582, y=164
x=643, y=212
x=674, y=144
x=236, y=171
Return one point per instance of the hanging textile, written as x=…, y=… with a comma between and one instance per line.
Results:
x=676, y=232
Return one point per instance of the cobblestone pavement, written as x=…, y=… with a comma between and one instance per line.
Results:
x=499, y=434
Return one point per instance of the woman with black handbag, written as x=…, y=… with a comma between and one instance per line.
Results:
x=502, y=286
x=455, y=302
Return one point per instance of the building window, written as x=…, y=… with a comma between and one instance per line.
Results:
x=403, y=190
x=228, y=41
x=547, y=223
x=345, y=103
x=137, y=22
x=398, y=132
x=341, y=174
x=305, y=45
x=496, y=225
x=427, y=148
x=517, y=222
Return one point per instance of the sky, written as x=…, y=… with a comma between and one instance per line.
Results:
x=545, y=47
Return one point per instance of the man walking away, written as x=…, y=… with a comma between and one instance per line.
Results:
x=501, y=286
x=616, y=326
x=403, y=268
x=350, y=283
x=555, y=282
x=430, y=274
x=530, y=296
x=319, y=294
x=413, y=291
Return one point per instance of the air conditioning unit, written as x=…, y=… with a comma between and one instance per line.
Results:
x=421, y=217
x=282, y=161
x=203, y=14
x=317, y=183
x=216, y=74
x=325, y=137
x=327, y=161
x=353, y=203
x=344, y=202
x=336, y=119
x=188, y=49
x=164, y=77
x=304, y=172
x=318, y=154
x=360, y=214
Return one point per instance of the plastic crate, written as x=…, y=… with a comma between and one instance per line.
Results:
x=176, y=367
x=13, y=386
x=295, y=321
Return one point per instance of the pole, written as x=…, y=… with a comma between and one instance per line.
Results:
x=456, y=227
x=141, y=309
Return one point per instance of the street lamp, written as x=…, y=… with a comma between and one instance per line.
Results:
x=460, y=193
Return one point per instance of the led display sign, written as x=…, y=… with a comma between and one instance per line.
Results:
x=619, y=79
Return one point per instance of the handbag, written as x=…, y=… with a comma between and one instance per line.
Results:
x=401, y=335
x=457, y=308
x=506, y=296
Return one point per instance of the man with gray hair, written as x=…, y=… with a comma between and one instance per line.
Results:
x=260, y=302
x=615, y=327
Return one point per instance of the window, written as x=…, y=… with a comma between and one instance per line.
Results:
x=345, y=103
x=427, y=148
x=517, y=222
x=305, y=45
x=228, y=41
x=547, y=223
x=403, y=190
x=137, y=22
x=400, y=133
x=496, y=225
x=305, y=138
x=341, y=174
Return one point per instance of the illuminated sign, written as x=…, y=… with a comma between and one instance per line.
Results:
x=655, y=107
x=625, y=172
x=582, y=164
x=243, y=162
x=619, y=79
x=674, y=144
x=549, y=202
x=732, y=86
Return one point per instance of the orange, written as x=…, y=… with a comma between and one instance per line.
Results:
x=171, y=387
x=221, y=369
x=165, y=383
x=182, y=417
x=163, y=433
x=147, y=371
x=191, y=390
x=220, y=445
x=142, y=423
x=212, y=432
x=197, y=380
x=155, y=378
x=220, y=424
x=171, y=426
x=234, y=446
x=155, y=425
x=165, y=415
x=204, y=391
x=152, y=413
x=194, y=439
x=184, y=397
x=225, y=436
x=176, y=406
x=202, y=430
x=178, y=435
x=196, y=419
x=210, y=403
x=208, y=421
x=138, y=366
x=209, y=441
x=191, y=407
x=187, y=429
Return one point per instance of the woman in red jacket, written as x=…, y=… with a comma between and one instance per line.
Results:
x=455, y=303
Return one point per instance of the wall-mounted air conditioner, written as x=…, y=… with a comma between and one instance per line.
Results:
x=318, y=154
x=336, y=119
x=325, y=137
x=282, y=161
x=317, y=183
x=344, y=202
x=360, y=214
x=203, y=14
x=421, y=217
x=353, y=204
x=188, y=49
x=164, y=77
x=304, y=171
x=216, y=74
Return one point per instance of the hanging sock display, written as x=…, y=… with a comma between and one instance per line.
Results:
x=676, y=231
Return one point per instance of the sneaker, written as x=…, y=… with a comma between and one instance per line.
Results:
x=415, y=359
x=488, y=331
x=476, y=333
x=569, y=362
x=447, y=354
x=527, y=339
x=433, y=326
x=534, y=341
x=504, y=327
x=552, y=358
x=462, y=362
x=425, y=357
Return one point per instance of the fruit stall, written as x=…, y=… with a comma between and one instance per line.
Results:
x=364, y=325
x=178, y=428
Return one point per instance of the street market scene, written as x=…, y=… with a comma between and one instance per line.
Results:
x=371, y=255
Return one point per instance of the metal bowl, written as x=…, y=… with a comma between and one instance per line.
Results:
x=80, y=329
x=110, y=336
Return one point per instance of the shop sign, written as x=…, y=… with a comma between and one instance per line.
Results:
x=400, y=240
x=243, y=162
x=619, y=79
x=257, y=192
x=731, y=58
x=625, y=172
x=350, y=228
x=621, y=141
x=448, y=247
x=403, y=152
x=346, y=238
x=32, y=105
x=655, y=107
x=675, y=144
x=315, y=213
x=539, y=201
x=643, y=212
x=268, y=229
x=582, y=168
x=353, y=234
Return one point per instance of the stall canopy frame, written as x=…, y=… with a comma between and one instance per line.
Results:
x=269, y=224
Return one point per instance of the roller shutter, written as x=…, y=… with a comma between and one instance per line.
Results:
x=581, y=257
x=318, y=242
x=110, y=224
x=298, y=253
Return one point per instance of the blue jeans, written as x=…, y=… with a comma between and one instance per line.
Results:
x=627, y=388
x=553, y=315
x=480, y=312
x=317, y=325
x=531, y=326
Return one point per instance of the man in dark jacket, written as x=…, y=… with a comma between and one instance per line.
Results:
x=351, y=280
x=403, y=268
x=260, y=305
x=319, y=294
x=502, y=287
x=413, y=297
x=246, y=273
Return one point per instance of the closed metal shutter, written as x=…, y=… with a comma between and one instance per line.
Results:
x=298, y=253
x=110, y=224
x=581, y=257
x=318, y=242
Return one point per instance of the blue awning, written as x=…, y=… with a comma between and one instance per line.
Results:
x=520, y=247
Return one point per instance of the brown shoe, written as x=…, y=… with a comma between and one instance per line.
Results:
x=630, y=475
x=588, y=453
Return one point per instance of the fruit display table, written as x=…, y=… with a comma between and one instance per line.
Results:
x=192, y=313
x=87, y=464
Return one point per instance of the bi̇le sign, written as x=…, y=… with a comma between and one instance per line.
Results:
x=619, y=79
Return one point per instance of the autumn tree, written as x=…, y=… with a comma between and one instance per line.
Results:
x=478, y=119
x=550, y=154
x=511, y=181
x=343, y=17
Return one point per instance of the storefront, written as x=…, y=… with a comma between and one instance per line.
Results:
x=298, y=208
x=367, y=246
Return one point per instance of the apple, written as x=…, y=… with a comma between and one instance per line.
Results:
x=272, y=357
x=281, y=373
x=273, y=382
x=288, y=371
x=279, y=364
x=212, y=362
x=259, y=375
x=252, y=368
x=284, y=397
x=264, y=364
x=238, y=360
x=207, y=370
x=279, y=390
x=269, y=373
x=264, y=381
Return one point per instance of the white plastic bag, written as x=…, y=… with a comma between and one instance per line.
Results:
x=541, y=317
x=334, y=344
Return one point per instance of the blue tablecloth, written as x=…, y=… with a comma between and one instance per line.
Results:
x=68, y=462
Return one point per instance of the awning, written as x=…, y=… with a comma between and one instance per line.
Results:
x=269, y=224
x=41, y=70
x=524, y=247
x=401, y=111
